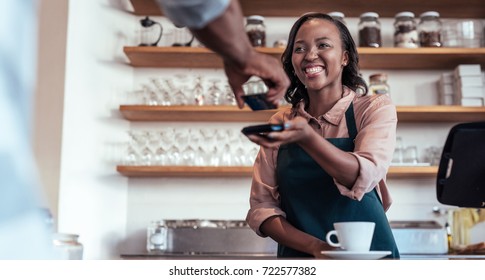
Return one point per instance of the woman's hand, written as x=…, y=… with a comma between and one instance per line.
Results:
x=321, y=246
x=296, y=131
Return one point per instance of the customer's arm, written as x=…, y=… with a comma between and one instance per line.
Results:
x=225, y=35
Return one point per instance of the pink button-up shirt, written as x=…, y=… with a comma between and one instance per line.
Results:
x=376, y=120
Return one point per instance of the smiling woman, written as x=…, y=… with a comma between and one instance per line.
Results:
x=329, y=163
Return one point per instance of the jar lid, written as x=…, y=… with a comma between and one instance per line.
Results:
x=58, y=236
x=369, y=14
x=405, y=14
x=381, y=77
x=336, y=14
x=255, y=18
x=430, y=14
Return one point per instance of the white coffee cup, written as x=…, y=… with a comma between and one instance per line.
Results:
x=352, y=236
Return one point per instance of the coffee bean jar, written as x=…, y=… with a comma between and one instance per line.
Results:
x=429, y=29
x=370, y=30
x=405, y=30
x=256, y=30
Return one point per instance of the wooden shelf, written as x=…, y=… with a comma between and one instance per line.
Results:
x=246, y=171
x=185, y=171
x=193, y=113
x=440, y=114
x=351, y=8
x=401, y=172
x=234, y=114
x=370, y=58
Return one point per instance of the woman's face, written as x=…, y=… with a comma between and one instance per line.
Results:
x=318, y=58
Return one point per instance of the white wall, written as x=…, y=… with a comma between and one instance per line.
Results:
x=49, y=96
x=92, y=196
x=111, y=212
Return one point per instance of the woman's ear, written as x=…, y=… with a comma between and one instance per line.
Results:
x=345, y=58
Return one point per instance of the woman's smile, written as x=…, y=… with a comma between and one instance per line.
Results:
x=313, y=70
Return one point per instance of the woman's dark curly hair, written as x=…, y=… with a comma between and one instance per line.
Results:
x=350, y=75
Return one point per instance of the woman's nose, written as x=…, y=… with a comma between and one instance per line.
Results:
x=311, y=54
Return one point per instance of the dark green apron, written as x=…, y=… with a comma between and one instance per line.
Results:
x=312, y=202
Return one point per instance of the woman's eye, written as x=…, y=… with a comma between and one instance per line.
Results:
x=299, y=49
x=323, y=45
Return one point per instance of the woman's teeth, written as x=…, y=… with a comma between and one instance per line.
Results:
x=313, y=70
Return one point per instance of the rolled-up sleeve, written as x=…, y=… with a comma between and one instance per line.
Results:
x=264, y=198
x=374, y=147
x=193, y=13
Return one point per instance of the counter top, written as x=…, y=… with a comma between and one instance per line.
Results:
x=267, y=256
x=442, y=257
x=172, y=256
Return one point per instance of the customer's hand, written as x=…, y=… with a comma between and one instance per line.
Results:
x=296, y=131
x=268, y=68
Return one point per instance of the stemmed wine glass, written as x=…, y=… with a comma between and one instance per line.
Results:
x=228, y=96
x=163, y=92
x=165, y=137
x=198, y=91
x=214, y=93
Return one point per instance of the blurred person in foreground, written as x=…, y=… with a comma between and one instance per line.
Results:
x=23, y=234
x=330, y=163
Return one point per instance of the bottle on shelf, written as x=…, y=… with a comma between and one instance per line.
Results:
x=378, y=84
x=370, y=30
x=429, y=29
x=338, y=16
x=405, y=30
x=256, y=30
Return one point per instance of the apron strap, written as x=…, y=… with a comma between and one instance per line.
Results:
x=350, y=120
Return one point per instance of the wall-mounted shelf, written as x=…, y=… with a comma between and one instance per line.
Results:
x=184, y=171
x=370, y=58
x=234, y=114
x=193, y=113
x=351, y=8
x=440, y=114
x=246, y=171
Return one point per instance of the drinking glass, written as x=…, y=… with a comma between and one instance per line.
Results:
x=398, y=151
x=208, y=146
x=162, y=91
x=214, y=93
x=228, y=96
x=411, y=155
x=198, y=91
x=147, y=154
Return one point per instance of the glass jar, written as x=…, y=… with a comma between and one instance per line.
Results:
x=256, y=31
x=68, y=246
x=405, y=31
x=370, y=30
x=338, y=16
x=157, y=234
x=429, y=29
x=378, y=84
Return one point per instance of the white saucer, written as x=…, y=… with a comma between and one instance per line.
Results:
x=352, y=255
